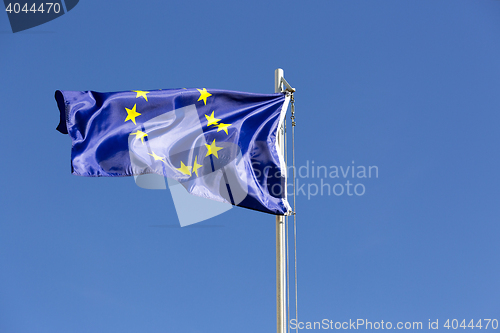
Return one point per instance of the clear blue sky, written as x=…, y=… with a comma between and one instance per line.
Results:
x=411, y=87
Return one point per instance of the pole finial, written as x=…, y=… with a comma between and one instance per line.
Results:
x=279, y=74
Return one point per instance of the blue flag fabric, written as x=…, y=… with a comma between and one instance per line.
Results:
x=221, y=145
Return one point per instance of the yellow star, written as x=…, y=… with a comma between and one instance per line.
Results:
x=212, y=149
x=196, y=166
x=211, y=119
x=141, y=93
x=185, y=169
x=157, y=158
x=222, y=127
x=203, y=95
x=132, y=114
x=140, y=135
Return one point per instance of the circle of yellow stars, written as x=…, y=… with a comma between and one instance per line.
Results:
x=212, y=148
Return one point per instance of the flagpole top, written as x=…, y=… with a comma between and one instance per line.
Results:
x=279, y=74
x=279, y=82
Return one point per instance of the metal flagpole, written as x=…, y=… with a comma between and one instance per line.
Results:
x=280, y=236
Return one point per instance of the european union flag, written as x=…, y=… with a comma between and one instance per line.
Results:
x=220, y=145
